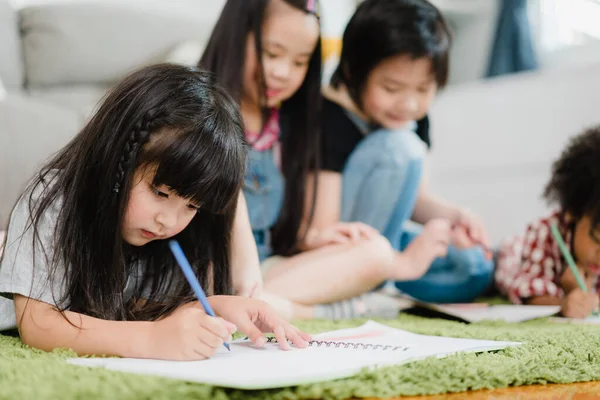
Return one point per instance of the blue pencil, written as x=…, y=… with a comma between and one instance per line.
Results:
x=189, y=274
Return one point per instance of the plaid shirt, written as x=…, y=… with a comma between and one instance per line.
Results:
x=532, y=265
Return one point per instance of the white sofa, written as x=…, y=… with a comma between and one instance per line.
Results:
x=493, y=140
x=58, y=60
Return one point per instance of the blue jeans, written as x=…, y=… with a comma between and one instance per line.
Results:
x=460, y=277
x=263, y=190
x=380, y=187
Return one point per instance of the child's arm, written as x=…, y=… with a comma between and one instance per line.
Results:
x=576, y=304
x=246, y=274
x=186, y=334
x=328, y=204
x=325, y=227
x=429, y=206
x=43, y=327
x=545, y=300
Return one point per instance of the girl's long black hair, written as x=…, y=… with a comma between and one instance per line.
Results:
x=224, y=56
x=175, y=120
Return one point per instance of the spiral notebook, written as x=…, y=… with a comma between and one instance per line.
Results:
x=331, y=355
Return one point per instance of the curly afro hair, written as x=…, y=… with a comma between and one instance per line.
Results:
x=575, y=181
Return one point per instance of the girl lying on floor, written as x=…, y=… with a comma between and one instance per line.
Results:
x=87, y=264
x=531, y=268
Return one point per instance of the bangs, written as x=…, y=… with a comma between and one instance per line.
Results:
x=206, y=168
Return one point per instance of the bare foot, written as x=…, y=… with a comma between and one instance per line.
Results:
x=416, y=259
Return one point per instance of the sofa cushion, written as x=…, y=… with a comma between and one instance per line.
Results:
x=99, y=42
x=517, y=120
x=82, y=99
x=2, y=91
x=11, y=62
x=30, y=132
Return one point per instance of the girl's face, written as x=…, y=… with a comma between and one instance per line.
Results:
x=154, y=213
x=399, y=90
x=289, y=38
x=586, y=244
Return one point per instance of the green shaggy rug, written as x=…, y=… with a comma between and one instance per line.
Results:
x=552, y=353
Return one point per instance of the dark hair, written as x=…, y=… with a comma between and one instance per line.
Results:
x=385, y=28
x=575, y=181
x=175, y=120
x=224, y=56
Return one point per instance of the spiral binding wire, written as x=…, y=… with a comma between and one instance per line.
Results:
x=347, y=345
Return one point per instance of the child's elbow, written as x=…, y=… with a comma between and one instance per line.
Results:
x=28, y=337
x=32, y=316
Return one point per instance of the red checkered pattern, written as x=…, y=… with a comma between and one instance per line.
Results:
x=531, y=265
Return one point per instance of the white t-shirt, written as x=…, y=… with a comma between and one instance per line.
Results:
x=21, y=274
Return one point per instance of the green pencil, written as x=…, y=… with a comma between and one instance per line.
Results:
x=567, y=255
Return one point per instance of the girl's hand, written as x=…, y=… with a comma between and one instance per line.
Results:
x=468, y=231
x=342, y=232
x=187, y=334
x=578, y=304
x=254, y=317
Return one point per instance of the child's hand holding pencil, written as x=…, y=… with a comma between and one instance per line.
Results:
x=579, y=303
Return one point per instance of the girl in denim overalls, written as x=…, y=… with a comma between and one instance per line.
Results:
x=267, y=53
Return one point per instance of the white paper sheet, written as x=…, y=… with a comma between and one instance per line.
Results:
x=591, y=320
x=248, y=367
x=507, y=313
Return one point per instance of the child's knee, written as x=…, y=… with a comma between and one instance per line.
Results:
x=401, y=147
x=395, y=148
x=378, y=254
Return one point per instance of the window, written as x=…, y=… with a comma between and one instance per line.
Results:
x=566, y=23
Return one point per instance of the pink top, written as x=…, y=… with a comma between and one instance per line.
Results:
x=269, y=138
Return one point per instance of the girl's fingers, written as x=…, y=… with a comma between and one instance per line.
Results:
x=367, y=230
x=294, y=336
x=280, y=335
x=202, y=351
x=339, y=238
x=355, y=234
x=461, y=239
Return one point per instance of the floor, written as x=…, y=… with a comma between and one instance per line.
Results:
x=576, y=391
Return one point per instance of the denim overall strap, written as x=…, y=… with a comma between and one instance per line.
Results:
x=263, y=190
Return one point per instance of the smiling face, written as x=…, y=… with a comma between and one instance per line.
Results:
x=399, y=90
x=154, y=213
x=289, y=38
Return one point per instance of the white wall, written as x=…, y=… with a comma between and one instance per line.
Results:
x=335, y=16
x=472, y=22
x=566, y=32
